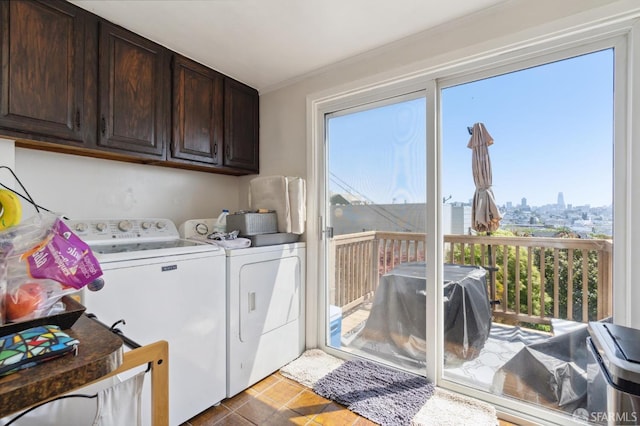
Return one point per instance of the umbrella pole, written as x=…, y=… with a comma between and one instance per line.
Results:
x=492, y=278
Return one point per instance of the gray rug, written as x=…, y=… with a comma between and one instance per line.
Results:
x=383, y=395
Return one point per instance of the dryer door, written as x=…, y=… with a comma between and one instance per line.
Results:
x=269, y=296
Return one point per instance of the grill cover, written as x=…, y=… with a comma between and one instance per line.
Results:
x=550, y=373
x=396, y=327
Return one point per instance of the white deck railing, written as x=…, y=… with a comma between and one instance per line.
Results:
x=564, y=278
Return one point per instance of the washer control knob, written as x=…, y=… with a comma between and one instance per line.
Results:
x=125, y=226
x=146, y=225
x=81, y=227
x=101, y=226
x=161, y=225
x=202, y=228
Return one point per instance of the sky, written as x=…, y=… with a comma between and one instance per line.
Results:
x=552, y=127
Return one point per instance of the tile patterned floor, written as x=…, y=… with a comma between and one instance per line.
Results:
x=276, y=401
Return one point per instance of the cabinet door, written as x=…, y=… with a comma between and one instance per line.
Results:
x=132, y=87
x=240, y=126
x=197, y=112
x=42, y=69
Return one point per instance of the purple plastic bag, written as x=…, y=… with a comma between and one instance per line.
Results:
x=62, y=256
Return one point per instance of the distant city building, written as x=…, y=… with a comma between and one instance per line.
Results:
x=350, y=219
x=456, y=219
x=346, y=199
x=561, y=201
x=353, y=214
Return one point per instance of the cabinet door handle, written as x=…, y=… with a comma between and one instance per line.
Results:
x=103, y=125
x=215, y=150
x=78, y=118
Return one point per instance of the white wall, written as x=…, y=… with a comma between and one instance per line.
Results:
x=7, y=159
x=88, y=187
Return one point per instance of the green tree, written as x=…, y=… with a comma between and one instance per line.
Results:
x=547, y=277
x=575, y=284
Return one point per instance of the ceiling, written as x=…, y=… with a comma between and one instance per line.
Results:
x=266, y=43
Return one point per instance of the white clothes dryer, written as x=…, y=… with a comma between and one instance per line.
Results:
x=265, y=288
x=265, y=307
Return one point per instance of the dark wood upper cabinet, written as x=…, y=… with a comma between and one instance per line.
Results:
x=197, y=113
x=133, y=85
x=241, y=127
x=73, y=82
x=42, y=51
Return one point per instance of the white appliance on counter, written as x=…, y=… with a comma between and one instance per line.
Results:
x=164, y=288
x=265, y=309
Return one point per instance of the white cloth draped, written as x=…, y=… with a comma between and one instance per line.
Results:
x=115, y=401
x=286, y=195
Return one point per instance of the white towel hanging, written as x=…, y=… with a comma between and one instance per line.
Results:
x=286, y=195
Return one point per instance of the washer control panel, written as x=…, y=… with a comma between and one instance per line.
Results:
x=197, y=229
x=124, y=230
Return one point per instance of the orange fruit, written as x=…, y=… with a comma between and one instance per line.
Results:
x=26, y=299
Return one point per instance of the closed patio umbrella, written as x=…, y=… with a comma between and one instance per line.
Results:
x=485, y=216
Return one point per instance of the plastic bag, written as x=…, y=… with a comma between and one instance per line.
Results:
x=35, y=299
x=44, y=260
x=64, y=257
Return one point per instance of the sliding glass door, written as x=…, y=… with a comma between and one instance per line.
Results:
x=502, y=177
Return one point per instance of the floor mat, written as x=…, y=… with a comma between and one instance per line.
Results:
x=383, y=395
x=442, y=408
x=310, y=367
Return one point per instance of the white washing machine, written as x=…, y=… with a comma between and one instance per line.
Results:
x=164, y=288
x=265, y=308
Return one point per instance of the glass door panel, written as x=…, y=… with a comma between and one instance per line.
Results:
x=376, y=194
x=522, y=290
